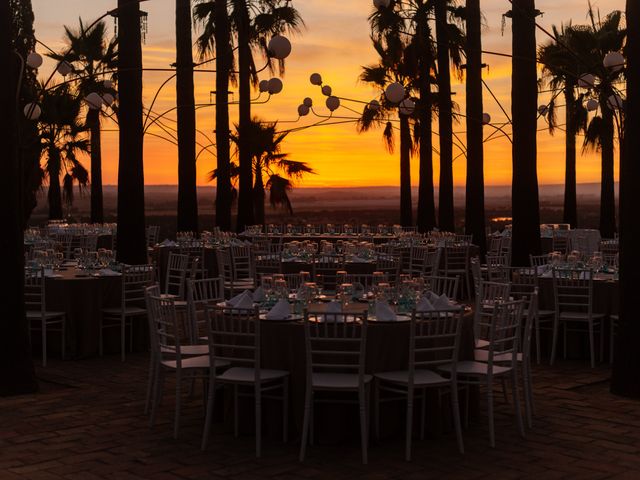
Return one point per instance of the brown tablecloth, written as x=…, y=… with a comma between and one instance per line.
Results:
x=606, y=296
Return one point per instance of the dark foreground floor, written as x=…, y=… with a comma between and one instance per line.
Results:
x=87, y=423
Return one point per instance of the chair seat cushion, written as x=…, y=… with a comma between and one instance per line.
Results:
x=337, y=381
x=483, y=356
x=128, y=311
x=37, y=315
x=194, y=363
x=579, y=316
x=475, y=369
x=188, y=349
x=420, y=378
x=248, y=375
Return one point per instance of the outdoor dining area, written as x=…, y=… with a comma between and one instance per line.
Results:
x=381, y=318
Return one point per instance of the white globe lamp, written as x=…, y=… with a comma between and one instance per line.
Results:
x=394, y=92
x=279, y=47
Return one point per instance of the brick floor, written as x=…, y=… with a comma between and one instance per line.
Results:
x=87, y=423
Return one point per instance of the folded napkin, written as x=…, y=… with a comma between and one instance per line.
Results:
x=280, y=311
x=334, y=307
x=424, y=305
x=107, y=272
x=168, y=243
x=442, y=303
x=384, y=312
x=243, y=300
x=258, y=295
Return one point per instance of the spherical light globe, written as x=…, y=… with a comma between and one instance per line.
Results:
x=381, y=3
x=543, y=110
x=407, y=107
x=303, y=110
x=275, y=86
x=615, y=102
x=592, y=105
x=64, y=68
x=614, y=61
x=279, y=47
x=315, y=79
x=108, y=98
x=374, y=105
x=394, y=92
x=326, y=90
x=107, y=83
x=307, y=102
x=93, y=100
x=332, y=103
x=486, y=119
x=587, y=81
x=34, y=60
x=263, y=86
x=32, y=111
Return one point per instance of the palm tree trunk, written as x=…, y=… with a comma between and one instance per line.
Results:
x=445, y=204
x=524, y=95
x=406, y=215
x=258, y=199
x=607, y=186
x=16, y=367
x=245, y=198
x=97, y=209
x=570, y=215
x=187, y=192
x=54, y=194
x=132, y=245
x=223, y=66
x=474, y=198
x=626, y=361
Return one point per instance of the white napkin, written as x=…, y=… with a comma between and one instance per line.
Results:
x=424, y=305
x=107, y=272
x=442, y=303
x=280, y=311
x=243, y=300
x=258, y=294
x=384, y=312
x=334, y=307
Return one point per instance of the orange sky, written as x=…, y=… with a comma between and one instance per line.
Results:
x=335, y=43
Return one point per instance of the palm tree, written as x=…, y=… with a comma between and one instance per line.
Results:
x=62, y=142
x=604, y=36
x=186, y=112
x=17, y=375
x=92, y=59
x=474, y=198
x=524, y=93
x=252, y=21
x=391, y=69
x=272, y=169
x=561, y=72
x=624, y=380
x=132, y=245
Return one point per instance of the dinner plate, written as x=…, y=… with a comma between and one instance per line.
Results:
x=291, y=318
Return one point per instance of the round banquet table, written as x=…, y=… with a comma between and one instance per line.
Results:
x=82, y=297
x=606, y=294
x=387, y=344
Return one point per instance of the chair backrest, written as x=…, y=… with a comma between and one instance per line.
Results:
x=176, y=274
x=367, y=280
x=389, y=265
x=497, y=268
x=34, y=291
x=456, y=258
x=434, y=340
x=89, y=243
x=573, y=290
x=242, y=262
x=495, y=245
x=164, y=331
x=417, y=257
x=505, y=249
x=524, y=281
x=201, y=292
x=234, y=336
x=153, y=235
x=225, y=264
x=443, y=286
x=504, y=331
x=531, y=303
x=269, y=260
x=335, y=342
x=325, y=267
x=489, y=294
x=538, y=260
x=135, y=281
x=195, y=265
x=476, y=273
x=560, y=242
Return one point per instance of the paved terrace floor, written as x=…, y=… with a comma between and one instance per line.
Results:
x=87, y=423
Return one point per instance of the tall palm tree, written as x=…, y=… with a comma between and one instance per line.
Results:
x=186, y=113
x=474, y=198
x=524, y=94
x=93, y=58
x=132, y=245
x=626, y=362
x=17, y=375
x=605, y=35
x=62, y=142
x=273, y=170
x=391, y=69
x=252, y=22
x=561, y=71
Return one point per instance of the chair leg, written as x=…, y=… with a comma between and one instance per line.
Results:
x=455, y=411
x=122, y=337
x=363, y=424
x=492, y=434
x=526, y=388
x=504, y=390
x=44, y=343
x=409, y=426
x=376, y=409
x=236, y=425
x=516, y=401
x=305, y=424
x=152, y=364
x=601, y=340
x=100, y=337
x=158, y=385
x=537, y=325
x=564, y=340
x=258, y=407
x=611, y=333
x=63, y=331
x=285, y=410
x=176, y=424
x=592, y=346
x=423, y=412
x=211, y=398
x=554, y=341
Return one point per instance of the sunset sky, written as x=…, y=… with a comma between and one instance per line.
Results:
x=336, y=44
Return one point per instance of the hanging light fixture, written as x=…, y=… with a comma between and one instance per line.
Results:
x=332, y=103
x=307, y=102
x=373, y=105
x=64, y=68
x=315, y=79
x=486, y=119
x=275, y=86
x=380, y=4
x=263, y=86
x=303, y=110
x=543, y=110
x=587, y=80
x=615, y=102
x=108, y=99
x=32, y=111
x=326, y=90
x=592, y=105
x=613, y=61
x=34, y=60
x=94, y=101
x=407, y=107
x=394, y=92
x=279, y=47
